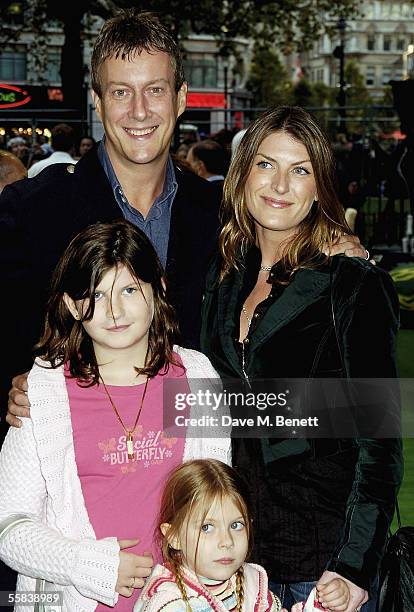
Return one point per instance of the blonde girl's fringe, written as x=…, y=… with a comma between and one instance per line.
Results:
x=180, y=583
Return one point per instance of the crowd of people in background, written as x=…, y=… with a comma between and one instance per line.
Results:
x=364, y=166
x=23, y=154
x=286, y=264
x=208, y=157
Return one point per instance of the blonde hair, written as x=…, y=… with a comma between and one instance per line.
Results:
x=192, y=489
x=326, y=220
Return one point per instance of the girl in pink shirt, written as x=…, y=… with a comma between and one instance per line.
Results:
x=80, y=481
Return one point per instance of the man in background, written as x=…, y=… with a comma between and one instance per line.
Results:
x=209, y=160
x=63, y=145
x=86, y=144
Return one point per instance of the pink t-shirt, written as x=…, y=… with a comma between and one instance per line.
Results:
x=122, y=495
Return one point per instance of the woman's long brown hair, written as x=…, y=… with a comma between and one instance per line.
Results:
x=326, y=220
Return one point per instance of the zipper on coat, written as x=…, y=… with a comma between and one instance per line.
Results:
x=243, y=363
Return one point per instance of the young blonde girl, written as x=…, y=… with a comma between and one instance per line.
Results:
x=206, y=534
x=80, y=481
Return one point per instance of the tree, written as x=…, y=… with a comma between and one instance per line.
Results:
x=36, y=14
x=289, y=24
x=323, y=95
x=268, y=80
x=302, y=94
x=356, y=94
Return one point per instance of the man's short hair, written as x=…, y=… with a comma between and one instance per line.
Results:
x=63, y=137
x=130, y=32
x=212, y=154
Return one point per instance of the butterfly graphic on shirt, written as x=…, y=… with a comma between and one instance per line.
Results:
x=127, y=469
x=170, y=442
x=107, y=445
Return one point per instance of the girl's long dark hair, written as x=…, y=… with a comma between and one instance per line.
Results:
x=93, y=252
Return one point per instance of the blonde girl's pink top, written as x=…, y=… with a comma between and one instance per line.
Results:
x=122, y=495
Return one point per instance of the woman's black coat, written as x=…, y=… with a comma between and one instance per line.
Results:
x=319, y=504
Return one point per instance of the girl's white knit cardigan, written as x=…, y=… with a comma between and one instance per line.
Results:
x=39, y=483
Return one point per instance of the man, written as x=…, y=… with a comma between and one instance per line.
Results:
x=139, y=92
x=209, y=160
x=86, y=144
x=11, y=169
x=63, y=145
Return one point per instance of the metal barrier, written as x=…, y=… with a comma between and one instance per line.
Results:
x=366, y=120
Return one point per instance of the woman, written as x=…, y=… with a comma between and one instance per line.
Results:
x=276, y=307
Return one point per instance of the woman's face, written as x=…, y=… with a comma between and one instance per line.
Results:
x=281, y=187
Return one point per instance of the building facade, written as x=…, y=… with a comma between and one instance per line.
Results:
x=376, y=40
x=31, y=60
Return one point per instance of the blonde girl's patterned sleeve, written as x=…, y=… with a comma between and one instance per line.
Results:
x=274, y=602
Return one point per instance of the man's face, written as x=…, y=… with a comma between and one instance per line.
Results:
x=86, y=145
x=139, y=107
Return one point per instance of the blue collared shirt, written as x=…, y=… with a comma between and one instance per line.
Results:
x=156, y=225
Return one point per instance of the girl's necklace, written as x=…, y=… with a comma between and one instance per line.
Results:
x=128, y=432
x=265, y=268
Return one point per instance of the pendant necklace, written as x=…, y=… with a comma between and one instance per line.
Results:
x=265, y=268
x=249, y=320
x=128, y=432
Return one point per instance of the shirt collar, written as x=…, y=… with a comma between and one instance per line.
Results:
x=107, y=166
x=170, y=185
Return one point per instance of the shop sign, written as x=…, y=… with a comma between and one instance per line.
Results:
x=205, y=100
x=12, y=96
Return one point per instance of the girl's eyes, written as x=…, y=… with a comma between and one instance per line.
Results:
x=129, y=290
x=237, y=526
